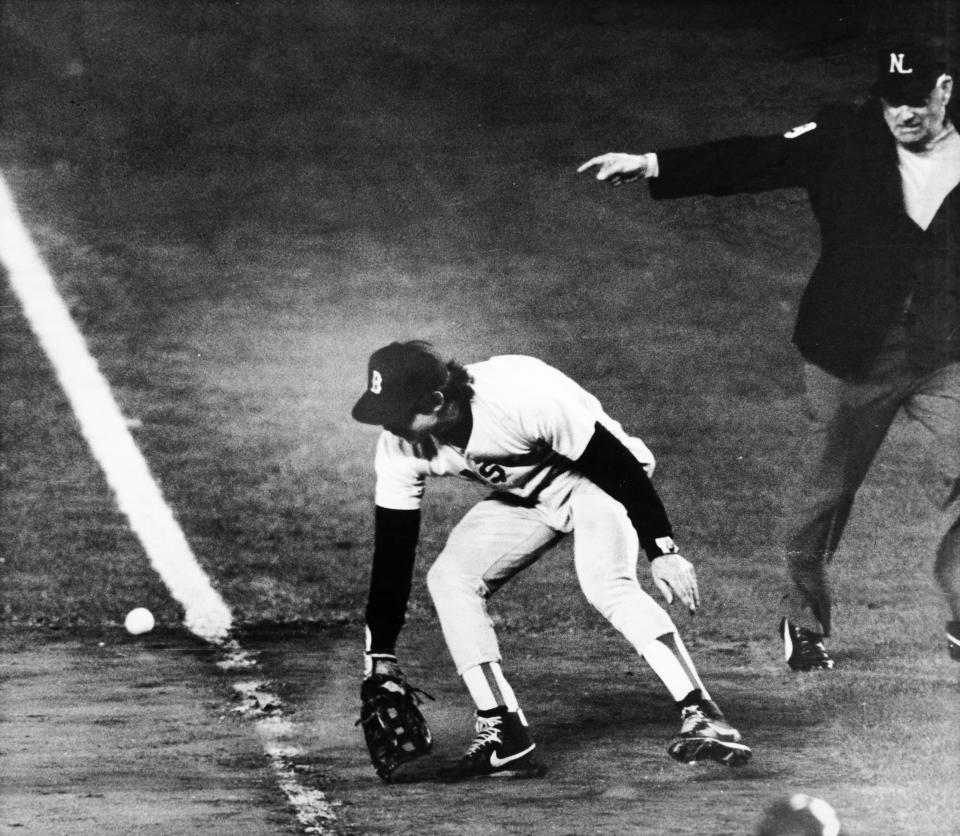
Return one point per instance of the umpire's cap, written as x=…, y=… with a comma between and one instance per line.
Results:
x=398, y=376
x=908, y=70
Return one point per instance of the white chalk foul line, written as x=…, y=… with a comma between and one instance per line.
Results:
x=139, y=497
x=314, y=811
x=106, y=431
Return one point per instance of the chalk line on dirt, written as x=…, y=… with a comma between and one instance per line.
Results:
x=139, y=497
x=259, y=700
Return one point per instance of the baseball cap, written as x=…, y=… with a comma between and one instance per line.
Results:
x=907, y=71
x=399, y=375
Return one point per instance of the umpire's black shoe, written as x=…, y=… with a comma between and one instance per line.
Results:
x=953, y=640
x=803, y=649
x=502, y=749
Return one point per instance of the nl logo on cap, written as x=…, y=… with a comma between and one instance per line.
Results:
x=896, y=64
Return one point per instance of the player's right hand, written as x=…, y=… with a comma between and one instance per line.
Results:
x=616, y=168
x=675, y=575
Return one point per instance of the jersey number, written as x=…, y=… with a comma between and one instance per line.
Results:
x=492, y=473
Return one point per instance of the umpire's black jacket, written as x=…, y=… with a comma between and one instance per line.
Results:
x=877, y=268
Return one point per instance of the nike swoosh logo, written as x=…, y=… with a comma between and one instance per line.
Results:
x=497, y=762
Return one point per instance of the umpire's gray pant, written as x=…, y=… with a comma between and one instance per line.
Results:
x=849, y=423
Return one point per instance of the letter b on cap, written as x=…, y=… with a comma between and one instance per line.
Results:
x=376, y=382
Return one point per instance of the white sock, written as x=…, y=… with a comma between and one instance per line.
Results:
x=489, y=688
x=671, y=662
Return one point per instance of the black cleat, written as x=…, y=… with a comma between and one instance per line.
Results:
x=953, y=640
x=803, y=649
x=502, y=749
x=706, y=735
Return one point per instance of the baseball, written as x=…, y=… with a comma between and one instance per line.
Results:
x=139, y=621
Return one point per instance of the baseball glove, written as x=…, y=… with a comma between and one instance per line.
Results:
x=393, y=727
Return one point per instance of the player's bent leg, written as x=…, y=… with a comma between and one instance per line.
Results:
x=485, y=549
x=493, y=542
x=704, y=733
x=462, y=612
x=605, y=550
x=628, y=608
x=605, y=555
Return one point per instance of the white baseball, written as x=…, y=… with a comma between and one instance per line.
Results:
x=139, y=621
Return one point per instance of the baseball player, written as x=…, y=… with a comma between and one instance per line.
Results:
x=555, y=464
x=878, y=324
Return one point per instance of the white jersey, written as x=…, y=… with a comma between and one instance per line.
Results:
x=530, y=422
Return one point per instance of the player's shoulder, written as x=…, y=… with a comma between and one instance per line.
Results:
x=510, y=361
x=506, y=367
x=517, y=371
x=395, y=452
x=518, y=383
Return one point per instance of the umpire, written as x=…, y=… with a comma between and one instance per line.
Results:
x=878, y=324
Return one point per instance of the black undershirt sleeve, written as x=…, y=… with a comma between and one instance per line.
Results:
x=611, y=466
x=394, y=550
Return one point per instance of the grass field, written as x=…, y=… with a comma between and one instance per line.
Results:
x=240, y=202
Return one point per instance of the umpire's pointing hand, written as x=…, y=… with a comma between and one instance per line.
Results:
x=617, y=168
x=674, y=575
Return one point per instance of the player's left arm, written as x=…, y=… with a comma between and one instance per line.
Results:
x=608, y=463
x=394, y=729
x=396, y=521
x=394, y=552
